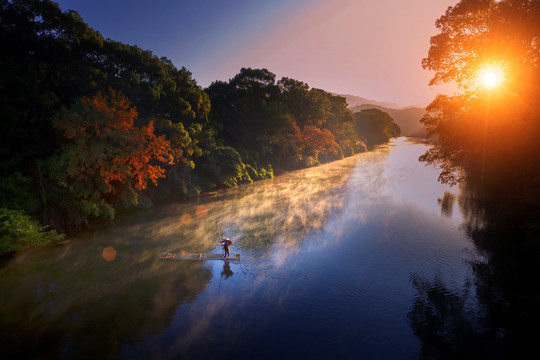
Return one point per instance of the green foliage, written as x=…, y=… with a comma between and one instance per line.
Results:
x=16, y=193
x=52, y=59
x=106, y=159
x=223, y=167
x=69, y=154
x=375, y=127
x=19, y=231
x=44, y=66
x=284, y=124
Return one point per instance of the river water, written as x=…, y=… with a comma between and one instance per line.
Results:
x=329, y=261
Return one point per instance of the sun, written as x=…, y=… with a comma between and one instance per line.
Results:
x=491, y=76
x=490, y=79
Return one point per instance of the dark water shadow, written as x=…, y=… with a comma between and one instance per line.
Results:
x=496, y=316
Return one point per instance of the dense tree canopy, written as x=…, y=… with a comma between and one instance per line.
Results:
x=105, y=159
x=50, y=59
x=54, y=143
x=90, y=126
x=487, y=134
x=284, y=124
x=375, y=127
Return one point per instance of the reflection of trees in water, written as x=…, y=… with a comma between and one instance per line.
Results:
x=77, y=312
x=447, y=203
x=69, y=301
x=447, y=326
x=504, y=321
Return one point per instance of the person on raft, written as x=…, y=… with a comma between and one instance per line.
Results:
x=225, y=242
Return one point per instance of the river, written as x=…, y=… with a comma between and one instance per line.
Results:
x=332, y=259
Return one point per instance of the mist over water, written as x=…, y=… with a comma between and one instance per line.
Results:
x=327, y=259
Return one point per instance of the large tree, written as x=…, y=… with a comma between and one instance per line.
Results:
x=486, y=134
x=105, y=161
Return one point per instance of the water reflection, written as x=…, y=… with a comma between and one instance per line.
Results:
x=447, y=203
x=449, y=325
x=53, y=310
x=87, y=298
x=498, y=317
x=226, y=272
x=326, y=258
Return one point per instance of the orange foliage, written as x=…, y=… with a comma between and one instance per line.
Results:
x=153, y=149
x=311, y=140
x=318, y=140
x=118, y=110
x=109, y=144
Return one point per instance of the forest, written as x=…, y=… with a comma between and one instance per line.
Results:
x=92, y=127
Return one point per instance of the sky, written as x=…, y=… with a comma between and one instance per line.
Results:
x=368, y=48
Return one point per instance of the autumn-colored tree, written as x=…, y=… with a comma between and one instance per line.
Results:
x=285, y=123
x=317, y=141
x=106, y=159
x=295, y=147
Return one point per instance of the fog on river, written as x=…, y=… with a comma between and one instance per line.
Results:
x=328, y=258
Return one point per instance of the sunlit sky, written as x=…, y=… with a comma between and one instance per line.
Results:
x=368, y=48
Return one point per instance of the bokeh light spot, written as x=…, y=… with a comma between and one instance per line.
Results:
x=201, y=211
x=108, y=253
x=185, y=218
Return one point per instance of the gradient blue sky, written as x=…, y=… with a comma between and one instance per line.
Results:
x=369, y=48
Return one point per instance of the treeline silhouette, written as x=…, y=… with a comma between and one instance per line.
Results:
x=488, y=139
x=91, y=125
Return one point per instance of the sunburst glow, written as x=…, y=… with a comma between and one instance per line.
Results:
x=491, y=76
x=490, y=79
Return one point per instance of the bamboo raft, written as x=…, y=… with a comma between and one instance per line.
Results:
x=198, y=257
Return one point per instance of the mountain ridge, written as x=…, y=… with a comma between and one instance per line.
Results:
x=407, y=117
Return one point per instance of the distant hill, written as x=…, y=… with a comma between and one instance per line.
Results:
x=408, y=119
x=353, y=100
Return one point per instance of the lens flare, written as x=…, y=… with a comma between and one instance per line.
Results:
x=491, y=76
x=186, y=218
x=108, y=254
x=201, y=211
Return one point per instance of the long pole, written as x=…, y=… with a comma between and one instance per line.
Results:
x=219, y=237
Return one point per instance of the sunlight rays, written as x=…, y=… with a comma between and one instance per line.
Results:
x=491, y=76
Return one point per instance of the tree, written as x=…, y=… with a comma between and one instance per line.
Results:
x=245, y=108
x=284, y=124
x=486, y=135
x=375, y=127
x=43, y=67
x=50, y=60
x=106, y=159
x=316, y=141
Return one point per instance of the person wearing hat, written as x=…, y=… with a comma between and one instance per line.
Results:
x=225, y=242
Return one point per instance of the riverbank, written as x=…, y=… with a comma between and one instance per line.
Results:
x=327, y=254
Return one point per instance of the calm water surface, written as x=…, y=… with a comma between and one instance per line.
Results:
x=328, y=255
